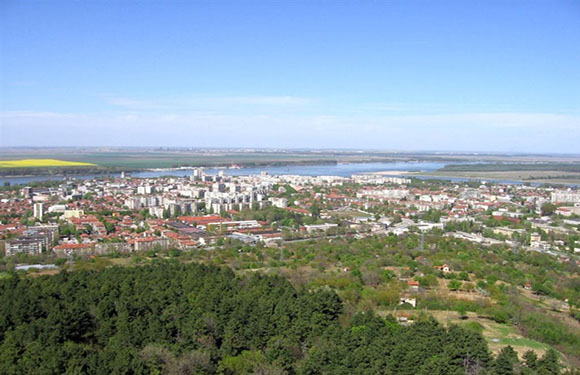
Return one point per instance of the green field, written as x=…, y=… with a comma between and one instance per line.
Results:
x=556, y=172
x=166, y=159
x=141, y=158
x=507, y=167
x=497, y=335
x=157, y=158
x=540, y=176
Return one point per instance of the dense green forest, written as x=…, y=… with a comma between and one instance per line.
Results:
x=172, y=318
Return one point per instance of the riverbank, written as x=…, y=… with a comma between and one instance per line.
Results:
x=104, y=170
x=421, y=170
x=394, y=173
x=340, y=169
x=50, y=171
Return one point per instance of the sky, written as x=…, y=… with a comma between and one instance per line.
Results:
x=500, y=76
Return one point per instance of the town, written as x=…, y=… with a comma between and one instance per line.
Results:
x=504, y=257
x=126, y=215
x=290, y=187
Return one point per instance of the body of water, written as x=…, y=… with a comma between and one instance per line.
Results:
x=344, y=170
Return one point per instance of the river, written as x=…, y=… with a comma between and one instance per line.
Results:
x=341, y=169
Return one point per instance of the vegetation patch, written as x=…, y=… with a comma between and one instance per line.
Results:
x=503, y=167
x=35, y=163
x=166, y=316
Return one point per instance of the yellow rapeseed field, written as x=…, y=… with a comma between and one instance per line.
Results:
x=25, y=163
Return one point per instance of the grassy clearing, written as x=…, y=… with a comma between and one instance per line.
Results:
x=500, y=335
x=497, y=335
x=34, y=163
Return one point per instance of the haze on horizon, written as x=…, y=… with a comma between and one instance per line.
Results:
x=442, y=75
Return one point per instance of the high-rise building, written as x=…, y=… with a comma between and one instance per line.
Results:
x=26, y=192
x=39, y=211
x=29, y=245
x=197, y=174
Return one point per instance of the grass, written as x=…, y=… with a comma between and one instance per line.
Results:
x=507, y=167
x=497, y=335
x=168, y=159
x=523, y=342
x=163, y=158
x=34, y=163
x=525, y=176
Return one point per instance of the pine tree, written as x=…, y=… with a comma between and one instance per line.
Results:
x=531, y=359
x=549, y=364
x=505, y=361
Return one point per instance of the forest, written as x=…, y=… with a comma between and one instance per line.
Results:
x=168, y=317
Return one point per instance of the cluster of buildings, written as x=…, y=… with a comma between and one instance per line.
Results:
x=144, y=214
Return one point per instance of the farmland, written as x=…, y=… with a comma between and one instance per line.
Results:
x=555, y=172
x=540, y=176
x=164, y=158
x=35, y=163
x=142, y=158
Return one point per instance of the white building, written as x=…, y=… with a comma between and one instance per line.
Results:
x=319, y=227
x=39, y=211
x=279, y=202
x=565, y=196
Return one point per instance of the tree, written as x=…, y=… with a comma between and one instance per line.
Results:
x=436, y=365
x=454, y=285
x=505, y=361
x=549, y=364
x=245, y=363
x=109, y=227
x=531, y=359
x=315, y=210
x=548, y=209
x=463, y=276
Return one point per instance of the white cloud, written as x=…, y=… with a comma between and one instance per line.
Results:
x=132, y=104
x=262, y=100
x=14, y=115
x=539, y=132
x=200, y=102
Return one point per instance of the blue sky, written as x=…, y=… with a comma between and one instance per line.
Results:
x=394, y=75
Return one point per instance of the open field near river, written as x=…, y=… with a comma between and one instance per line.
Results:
x=35, y=163
x=141, y=159
x=526, y=176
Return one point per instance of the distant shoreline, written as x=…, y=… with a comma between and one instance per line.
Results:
x=479, y=173
x=393, y=173
x=105, y=170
